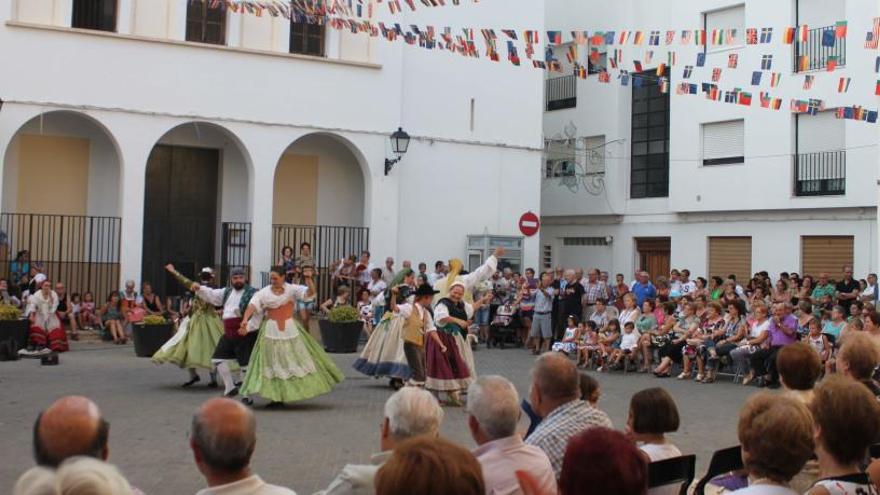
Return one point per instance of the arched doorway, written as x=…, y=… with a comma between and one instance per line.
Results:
x=61, y=202
x=196, y=205
x=319, y=198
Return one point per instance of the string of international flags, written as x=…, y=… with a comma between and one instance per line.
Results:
x=349, y=15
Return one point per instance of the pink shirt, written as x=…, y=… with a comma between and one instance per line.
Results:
x=501, y=459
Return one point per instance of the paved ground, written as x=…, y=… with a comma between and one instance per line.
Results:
x=301, y=446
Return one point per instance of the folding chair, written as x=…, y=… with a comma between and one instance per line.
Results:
x=673, y=471
x=723, y=461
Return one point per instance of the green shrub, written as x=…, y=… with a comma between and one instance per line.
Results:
x=9, y=312
x=154, y=320
x=344, y=314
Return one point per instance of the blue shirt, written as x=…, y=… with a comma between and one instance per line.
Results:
x=644, y=291
x=544, y=304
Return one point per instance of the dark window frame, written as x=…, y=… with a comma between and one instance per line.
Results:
x=198, y=22
x=304, y=36
x=97, y=15
x=653, y=168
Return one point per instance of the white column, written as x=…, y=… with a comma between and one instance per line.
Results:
x=124, y=16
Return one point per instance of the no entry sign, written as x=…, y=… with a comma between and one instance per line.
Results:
x=529, y=224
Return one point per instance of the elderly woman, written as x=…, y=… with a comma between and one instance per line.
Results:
x=46, y=333
x=287, y=364
x=449, y=357
x=711, y=329
x=671, y=351
x=658, y=337
x=630, y=312
x=735, y=330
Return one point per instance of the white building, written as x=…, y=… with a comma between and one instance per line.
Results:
x=166, y=130
x=664, y=181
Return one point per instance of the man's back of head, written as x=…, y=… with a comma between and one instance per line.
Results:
x=223, y=438
x=494, y=403
x=71, y=426
x=556, y=379
x=409, y=413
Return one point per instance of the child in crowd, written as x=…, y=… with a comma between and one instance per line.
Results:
x=629, y=342
x=653, y=414
x=112, y=318
x=589, y=343
x=365, y=309
x=590, y=389
x=88, y=318
x=572, y=333
x=608, y=342
x=818, y=340
x=343, y=298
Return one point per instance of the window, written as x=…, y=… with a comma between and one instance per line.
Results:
x=723, y=143
x=560, y=168
x=94, y=14
x=547, y=257
x=820, y=155
x=585, y=241
x=729, y=23
x=205, y=24
x=306, y=38
x=730, y=255
x=649, y=170
x=594, y=155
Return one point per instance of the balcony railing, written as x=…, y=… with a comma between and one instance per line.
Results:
x=820, y=174
x=560, y=93
x=817, y=54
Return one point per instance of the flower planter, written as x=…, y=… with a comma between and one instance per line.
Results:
x=340, y=338
x=149, y=338
x=16, y=330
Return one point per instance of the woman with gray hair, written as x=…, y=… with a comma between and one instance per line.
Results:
x=493, y=415
x=89, y=476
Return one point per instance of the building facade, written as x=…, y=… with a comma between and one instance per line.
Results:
x=638, y=179
x=140, y=132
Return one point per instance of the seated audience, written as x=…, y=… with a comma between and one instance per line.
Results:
x=653, y=414
x=555, y=396
x=430, y=466
x=846, y=421
x=857, y=360
x=223, y=437
x=601, y=460
x=411, y=412
x=591, y=391
x=493, y=414
x=89, y=476
x=71, y=426
x=799, y=368
x=37, y=480
x=776, y=436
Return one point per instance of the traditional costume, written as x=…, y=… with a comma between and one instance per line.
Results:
x=384, y=354
x=453, y=370
x=287, y=364
x=196, y=338
x=484, y=272
x=418, y=321
x=46, y=333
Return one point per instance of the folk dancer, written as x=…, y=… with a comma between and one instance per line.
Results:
x=418, y=320
x=287, y=364
x=197, y=334
x=46, y=333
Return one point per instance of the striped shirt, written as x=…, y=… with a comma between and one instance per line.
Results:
x=566, y=421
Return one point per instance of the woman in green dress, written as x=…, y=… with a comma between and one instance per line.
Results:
x=287, y=364
x=197, y=335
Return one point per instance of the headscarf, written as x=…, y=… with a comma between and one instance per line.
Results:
x=444, y=284
x=400, y=277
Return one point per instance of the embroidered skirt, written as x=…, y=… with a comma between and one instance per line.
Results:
x=384, y=355
x=449, y=371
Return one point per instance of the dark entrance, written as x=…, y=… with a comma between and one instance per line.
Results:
x=180, y=213
x=654, y=256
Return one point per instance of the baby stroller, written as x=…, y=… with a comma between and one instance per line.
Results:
x=503, y=327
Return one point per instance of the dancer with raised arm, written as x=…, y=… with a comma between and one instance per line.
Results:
x=287, y=364
x=197, y=335
x=468, y=281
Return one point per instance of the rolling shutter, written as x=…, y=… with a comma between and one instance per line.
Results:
x=826, y=254
x=730, y=255
x=723, y=143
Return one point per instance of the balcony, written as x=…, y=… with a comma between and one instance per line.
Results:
x=560, y=93
x=820, y=174
x=817, y=54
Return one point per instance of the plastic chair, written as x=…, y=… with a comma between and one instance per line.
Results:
x=723, y=461
x=673, y=471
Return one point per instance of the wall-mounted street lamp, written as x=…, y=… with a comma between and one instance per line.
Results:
x=399, y=145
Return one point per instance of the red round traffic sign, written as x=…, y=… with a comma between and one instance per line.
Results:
x=529, y=224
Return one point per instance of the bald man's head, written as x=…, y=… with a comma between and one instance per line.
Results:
x=71, y=426
x=556, y=377
x=224, y=435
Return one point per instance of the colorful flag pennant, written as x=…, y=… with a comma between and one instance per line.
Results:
x=775, y=78
x=843, y=85
x=752, y=36
x=840, y=29
x=716, y=74
x=808, y=82
x=756, y=78
x=831, y=63
x=788, y=35
x=701, y=59
x=767, y=62
x=688, y=71
x=766, y=35
x=732, y=61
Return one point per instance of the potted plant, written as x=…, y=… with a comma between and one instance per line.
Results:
x=341, y=331
x=151, y=334
x=13, y=326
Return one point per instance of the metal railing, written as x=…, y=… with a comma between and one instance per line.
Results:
x=329, y=245
x=560, y=93
x=80, y=251
x=817, y=54
x=820, y=174
x=235, y=250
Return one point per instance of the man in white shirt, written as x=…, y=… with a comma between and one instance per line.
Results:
x=388, y=270
x=870, y=294
x=493, y=409
x=364, y=268
x=223, y=437
x=411, y=412
x=438, y=273
x=675, y=281
x=687, y=285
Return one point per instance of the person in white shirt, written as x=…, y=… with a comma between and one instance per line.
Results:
x=675, y=281
x=364, y=269
x=223, y=437
x=388, y=272
x=687, y=286
x=493, y=409
x=438, y=273
x=418, y=321
x=871, y=293
x=653, y=414
x=411, y=412
x=377, y=287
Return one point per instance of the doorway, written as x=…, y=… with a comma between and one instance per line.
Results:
x=653, y=256
x=180, y=214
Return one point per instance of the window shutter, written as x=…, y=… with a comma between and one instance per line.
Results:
x=723, y=143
